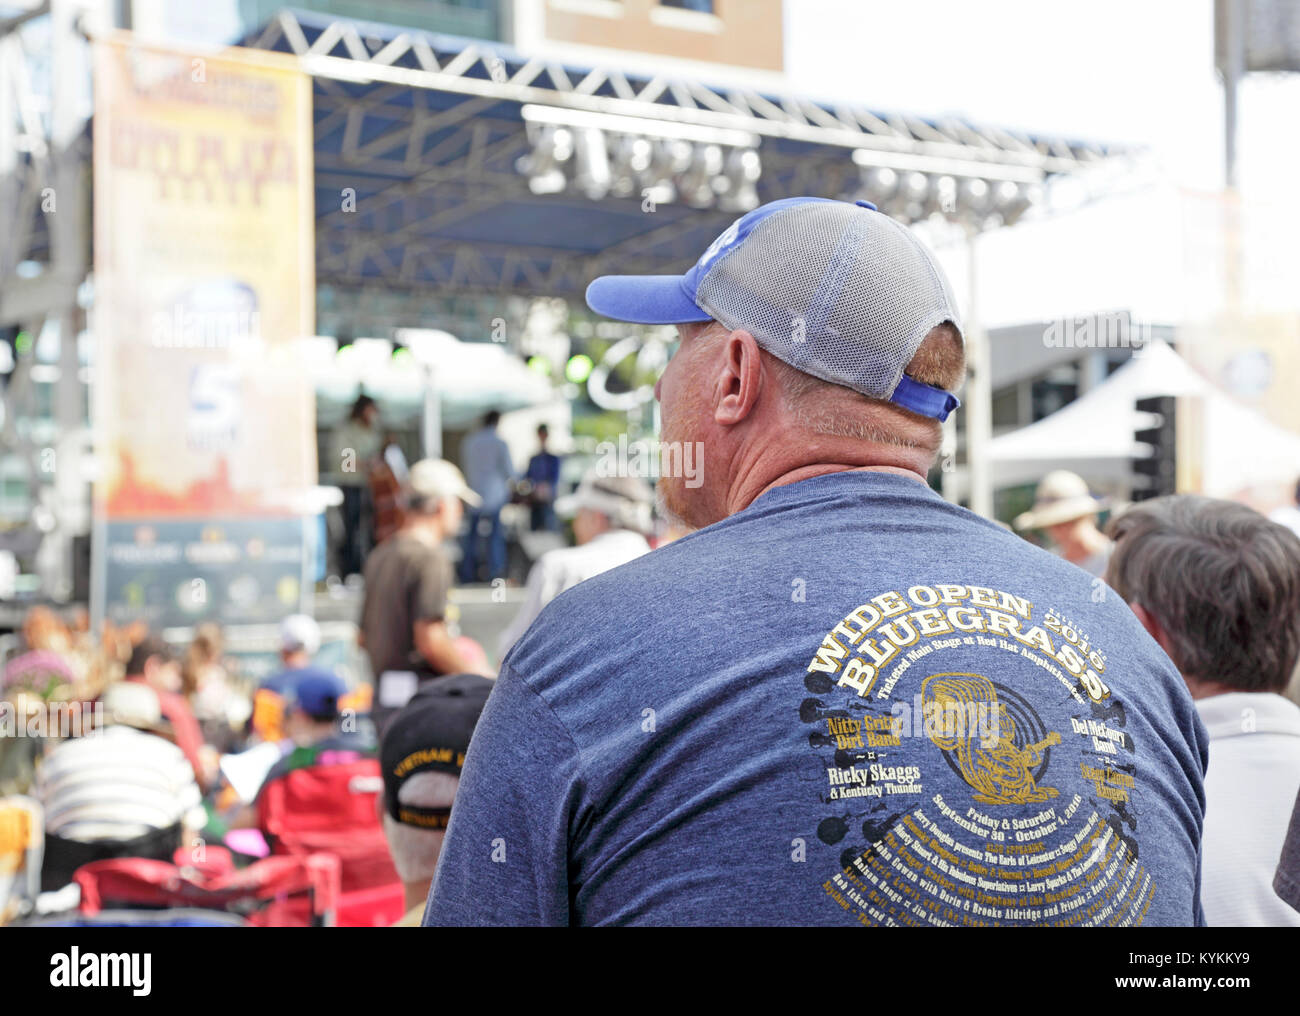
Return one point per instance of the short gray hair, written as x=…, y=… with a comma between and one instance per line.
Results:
x=817, y=407
x=415, y=850
x=1222, y=580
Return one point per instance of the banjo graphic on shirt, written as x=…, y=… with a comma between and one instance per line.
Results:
x=1000, y=772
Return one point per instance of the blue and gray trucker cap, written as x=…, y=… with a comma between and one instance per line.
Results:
x=837, y=290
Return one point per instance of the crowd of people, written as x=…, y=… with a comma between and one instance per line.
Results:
x=836, y=698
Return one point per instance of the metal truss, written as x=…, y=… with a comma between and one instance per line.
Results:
x=413, y=59
x=426, y=131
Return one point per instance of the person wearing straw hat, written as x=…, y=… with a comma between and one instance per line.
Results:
x=611, y=515
x=1066, y=510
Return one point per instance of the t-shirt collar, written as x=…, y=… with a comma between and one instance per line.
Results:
x=847, y=480
x=1242, y=712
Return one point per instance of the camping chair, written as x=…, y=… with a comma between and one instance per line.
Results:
x=22, y=846
x=334, y=808
x=277, y=892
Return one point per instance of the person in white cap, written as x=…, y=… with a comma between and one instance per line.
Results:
x=408, y=577
x=123, y=790
x=1067, y=511
x=611, y=515
x=841, y=700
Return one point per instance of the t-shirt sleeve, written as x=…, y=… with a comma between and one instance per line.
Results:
x=534, y=600
x=505, y=860
x=1286, y=882
x=429, y=594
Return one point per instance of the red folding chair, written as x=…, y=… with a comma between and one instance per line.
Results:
x=278, y=892
x=334, y=809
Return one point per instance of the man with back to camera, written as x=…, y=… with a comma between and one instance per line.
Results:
x=841, y=700
x=403, y=626
x=1218, y=586
x=421, y=757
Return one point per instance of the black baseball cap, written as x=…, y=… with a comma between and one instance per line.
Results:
x=431, y=733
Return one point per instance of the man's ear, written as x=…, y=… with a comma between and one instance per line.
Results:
x=740, y=379
x=1153, y=626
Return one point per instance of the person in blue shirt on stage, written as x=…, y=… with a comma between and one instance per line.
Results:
x=543, y=476
x=485, y=459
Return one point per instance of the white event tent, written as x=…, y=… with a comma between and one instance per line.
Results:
x=1239, y=448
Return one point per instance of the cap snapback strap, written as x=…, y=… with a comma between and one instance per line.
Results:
x=924, y=399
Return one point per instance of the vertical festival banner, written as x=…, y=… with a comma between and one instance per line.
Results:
x=204, y=289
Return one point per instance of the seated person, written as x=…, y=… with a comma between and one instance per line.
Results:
x=421, y=756
x=154, y=664
x=299, y=643
x=314, y=731
x=120, y=791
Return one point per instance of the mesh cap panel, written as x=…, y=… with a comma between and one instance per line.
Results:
x=835, y=290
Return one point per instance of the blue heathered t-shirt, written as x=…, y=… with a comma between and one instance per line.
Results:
x=851, y=702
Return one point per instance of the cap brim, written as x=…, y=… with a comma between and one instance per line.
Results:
x=644, y=300
x=469, y=497
x=566, y=507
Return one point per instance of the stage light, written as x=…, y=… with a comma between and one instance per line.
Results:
x=592, y=175
x=696, y=184
x=973, y=194
x=943, y=196
x=743, y=169
x=1011, y=200
x=579, y=368
x=879, y=184
x=632, y=157
x=600, y=154
x=544, y=167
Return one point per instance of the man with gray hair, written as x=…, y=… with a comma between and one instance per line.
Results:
x=421, y=757
x=611, y=515
x=841, y=700
x=1218, y=587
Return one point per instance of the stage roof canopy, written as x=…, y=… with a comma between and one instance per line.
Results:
x=428, y=132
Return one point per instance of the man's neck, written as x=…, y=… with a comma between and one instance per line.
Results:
x=417, y=892
x=1201, y=689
